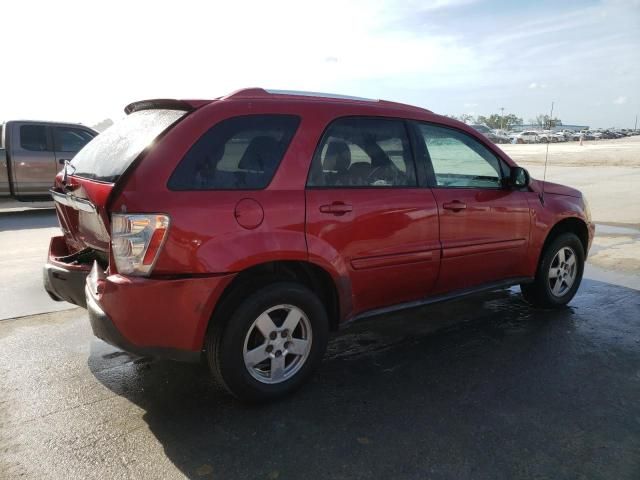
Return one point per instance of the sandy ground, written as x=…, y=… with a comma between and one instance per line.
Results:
x=608, y=173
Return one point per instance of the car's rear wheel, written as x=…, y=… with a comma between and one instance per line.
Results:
x=271, y=342
x=559, y=273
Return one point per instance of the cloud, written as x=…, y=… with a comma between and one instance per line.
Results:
x=535, y=85
x=438, y=4
x=434, y=53
x=621, y=100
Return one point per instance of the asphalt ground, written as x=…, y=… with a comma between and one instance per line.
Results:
x=24, y=242
x=483, y=388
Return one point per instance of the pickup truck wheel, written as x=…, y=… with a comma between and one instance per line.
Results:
x=270, y=344
x=559, y=273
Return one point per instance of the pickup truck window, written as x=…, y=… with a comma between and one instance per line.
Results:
x=108, y=155
x=67, y=139
x=33, y=137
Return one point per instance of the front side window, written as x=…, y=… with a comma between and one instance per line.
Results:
x=67, y=139
x=33, y=137
x=363, y=152
x=458, y=160
x=236, y=154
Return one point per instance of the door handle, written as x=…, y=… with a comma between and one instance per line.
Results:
x=336, y=208
x=456, y=205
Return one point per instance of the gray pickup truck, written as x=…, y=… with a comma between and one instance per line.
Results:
x=31, y=153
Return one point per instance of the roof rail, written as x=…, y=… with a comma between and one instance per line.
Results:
x=268, y=93
x=255, y=93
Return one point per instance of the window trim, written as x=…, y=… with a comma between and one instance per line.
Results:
x=431, y=175
x=233, y=117
x=317, y=150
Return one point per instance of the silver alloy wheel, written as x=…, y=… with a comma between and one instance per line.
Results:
x=277, y=344
x=563, y=271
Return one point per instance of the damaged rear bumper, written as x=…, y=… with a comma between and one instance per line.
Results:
x=165, y=317
x=64, y=281
x=104, y=328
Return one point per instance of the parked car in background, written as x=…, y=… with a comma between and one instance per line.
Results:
x=490, y=134
x=31, y=153
x=501, y=136
x=585, y=135
x=244, y=229
x=546, y=136
x=567, y=134
x=528, y=136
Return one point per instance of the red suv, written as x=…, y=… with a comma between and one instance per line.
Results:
x=248, y=227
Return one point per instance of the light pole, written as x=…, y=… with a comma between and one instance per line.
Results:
x=502, y=118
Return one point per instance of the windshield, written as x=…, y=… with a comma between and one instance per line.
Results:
x=107, y=156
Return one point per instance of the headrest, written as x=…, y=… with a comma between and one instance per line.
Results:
x=338, y=156
x=262, y=154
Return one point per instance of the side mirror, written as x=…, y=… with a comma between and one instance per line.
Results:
x=519, y=177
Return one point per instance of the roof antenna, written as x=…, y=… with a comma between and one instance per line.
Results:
x=546, y=158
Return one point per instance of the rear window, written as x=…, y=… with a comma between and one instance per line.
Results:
x=107, y=156
x=240, y=153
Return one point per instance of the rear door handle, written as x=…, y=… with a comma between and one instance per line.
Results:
x=456, y=206
x=336, y=208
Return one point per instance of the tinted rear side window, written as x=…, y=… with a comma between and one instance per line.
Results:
x=33, y=137
x=236, y=154
x=108, y=155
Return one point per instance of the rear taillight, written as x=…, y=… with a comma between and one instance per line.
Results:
x=136, y=240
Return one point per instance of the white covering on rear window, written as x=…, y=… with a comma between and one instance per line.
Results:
x=107, y=156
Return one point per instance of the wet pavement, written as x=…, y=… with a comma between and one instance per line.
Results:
x=484, y=388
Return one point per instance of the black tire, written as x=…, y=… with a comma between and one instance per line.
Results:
x=226, y=339
x=539, y=293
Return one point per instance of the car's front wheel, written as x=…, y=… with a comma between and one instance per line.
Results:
x=271, y=342
x=559, y=273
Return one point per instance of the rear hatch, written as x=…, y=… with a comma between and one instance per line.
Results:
x=83, y=188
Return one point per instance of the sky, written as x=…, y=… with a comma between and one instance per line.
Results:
x=83, y=61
